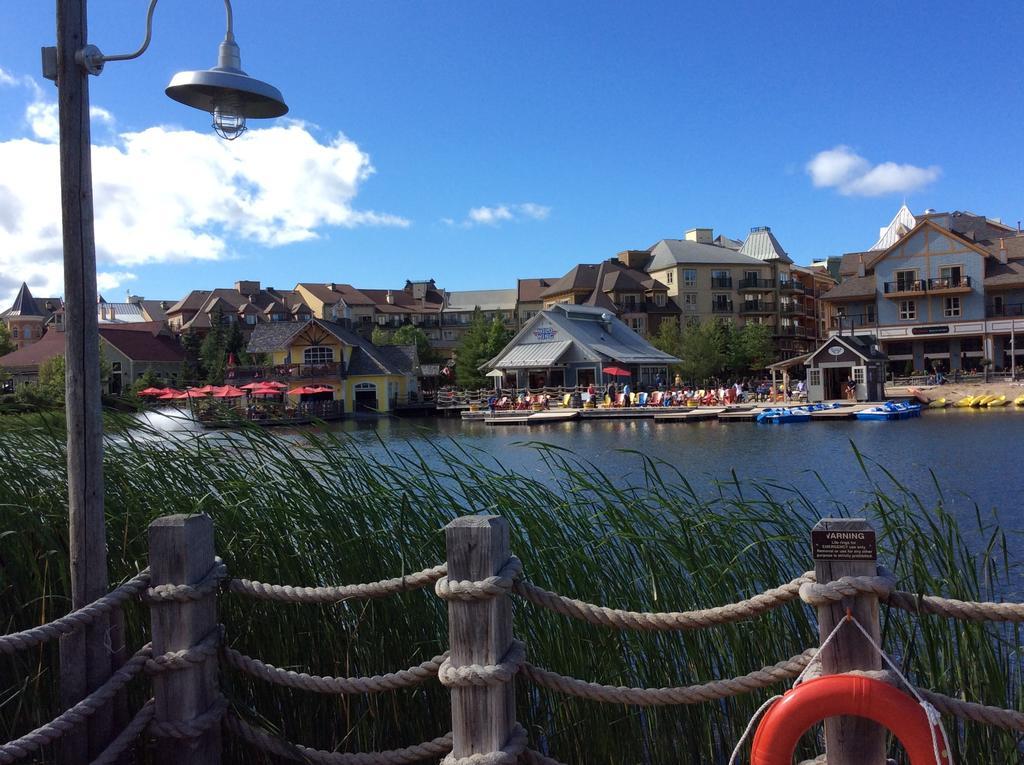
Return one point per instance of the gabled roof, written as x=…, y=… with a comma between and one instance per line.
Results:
x=762, y=244
x=672, y=252
x=857, y=344
x=137, y=344
x=607, y=276
x=900, y=224
x=851, y=288
x=24, y=304
x=593, y=333
x=730, y=244
x=51, y=344
x=1001, y=276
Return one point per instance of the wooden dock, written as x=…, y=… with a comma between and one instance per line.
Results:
x=694, y=415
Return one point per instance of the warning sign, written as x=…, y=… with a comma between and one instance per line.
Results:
x=843, y=545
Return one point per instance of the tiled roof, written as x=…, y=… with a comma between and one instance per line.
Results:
x=852, y=287
x=51, y=344
x=273, y=336
x=24, y=304
x=998, y=275
x=158, y=347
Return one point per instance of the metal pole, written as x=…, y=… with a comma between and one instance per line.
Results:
x=1013, y=350
x=85, y=658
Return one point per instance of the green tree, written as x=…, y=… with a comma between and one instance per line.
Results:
x=481, y=343
x=147, y=380
x=6, y=343
x=192, y=365
x=753, y=348
x=669, y=338
x=213, y=351
x=703, y=351
x=410, y=335
x=380, y=336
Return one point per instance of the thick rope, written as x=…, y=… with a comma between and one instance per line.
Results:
x=164, y=593
x=483, y=589
x=273, y=745
x=691, y=694
x=126, y=738
x=484, y=675
x=966, y=610
x=405, y=678
x=82, y=617
x=678, y=620
x=76, y=715
x=814, y=594
x=187, y=657
x=287, y=594
x=509, y=754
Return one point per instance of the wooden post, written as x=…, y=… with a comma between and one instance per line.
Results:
x=85, y=660
x=846, y=547
x=479, y=632
x=181, y=551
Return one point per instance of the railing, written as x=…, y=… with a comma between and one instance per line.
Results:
x=756, y=306
x=284, y=371
x=852, y=321
x=1004, y=309
x=721, y=282
x=915, y=285
x=790, y=285
x=792, y=309
x=785, y=330
x=479, y=579
x=756, y=284
x=949, y=283
x=721, y=307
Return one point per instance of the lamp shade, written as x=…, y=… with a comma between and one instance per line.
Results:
x=209, y=89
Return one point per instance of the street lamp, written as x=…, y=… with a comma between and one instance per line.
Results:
x=232, y=97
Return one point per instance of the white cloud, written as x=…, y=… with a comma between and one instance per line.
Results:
x=492, y=216
x=165, y=194
x=6, y=78
x=849, y=173
x=111, y=280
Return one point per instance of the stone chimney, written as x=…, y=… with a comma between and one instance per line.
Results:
x=700, y=235
x=1002, y=251
x=860, y=265
x=390, y=298
x=633, y=258
x=111, y=311
x=247, y=288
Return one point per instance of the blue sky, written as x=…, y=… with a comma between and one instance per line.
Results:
x=572, y=129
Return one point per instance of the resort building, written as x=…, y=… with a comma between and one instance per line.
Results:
x=461, y=306
x=133, y=311
x=363, y=376
x=28, y=317
x=418, y=303
x=575, y=345
x=129, y=350
x=247, y=305
x=937, y=288
x=340, y=303
x=528, y=297
x=614, y=286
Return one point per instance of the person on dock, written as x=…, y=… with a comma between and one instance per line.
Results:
x=626, y=391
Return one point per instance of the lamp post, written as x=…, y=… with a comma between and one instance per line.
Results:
x=231, y=97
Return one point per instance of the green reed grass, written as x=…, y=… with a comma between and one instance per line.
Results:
x=326, y=509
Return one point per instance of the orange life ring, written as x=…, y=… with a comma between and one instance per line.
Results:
x=833, y=695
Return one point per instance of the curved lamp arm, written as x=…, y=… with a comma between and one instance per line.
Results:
x=93, y=60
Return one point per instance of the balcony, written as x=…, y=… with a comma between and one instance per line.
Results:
x=792, y=309
x=996, y=310
x=283, y=372
x=790, y=285
x=905, y=287
x=721, y=306
x=786, y=330
x=949, y=285
x=756, y=306
x=756, y=284
x=853, y=321
x=721, y=282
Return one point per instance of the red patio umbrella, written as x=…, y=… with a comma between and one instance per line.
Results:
x=168, y=394
x=152, y=392
x=229, y=391
x=250, y=386
x=303, y=391
x=617, y=371
x=265, y=390
x=274, y=384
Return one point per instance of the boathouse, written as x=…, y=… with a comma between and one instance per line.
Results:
x=576, y=345
x=842, y=358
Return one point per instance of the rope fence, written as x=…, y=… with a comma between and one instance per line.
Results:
x=485, y=659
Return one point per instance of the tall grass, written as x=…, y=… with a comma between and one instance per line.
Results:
x=323, y=509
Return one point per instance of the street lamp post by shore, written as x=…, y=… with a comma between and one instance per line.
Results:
x=231, y=97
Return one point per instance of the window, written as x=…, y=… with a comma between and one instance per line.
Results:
x=950, y=276
x=720, y=303
x=659, y=299
x=637, y=324
x=251, y=318
x=908, y=310
x=721, y=280
x=951, y=307
x=814, y=377
x=692, y=321
x=869, y=313
x=629, y=302
x=317, y=354
x=115, y=366
x=751, y=276
x=690, y=301
x=859, y=375
x=669, y=277
x=689, y=277
x=906, y=281
x=14, y=331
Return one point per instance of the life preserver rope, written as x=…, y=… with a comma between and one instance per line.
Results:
x=811, y=702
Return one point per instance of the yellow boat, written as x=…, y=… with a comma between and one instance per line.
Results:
x=939, y=403
x=965, y=401
x=997, y=401
x=1019, y=401
x=981, y=400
